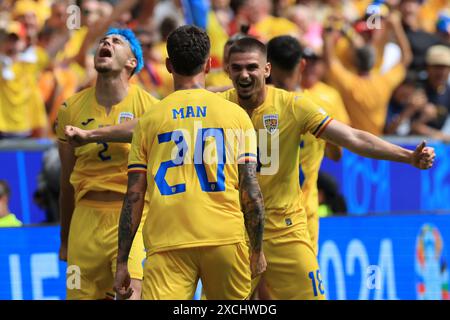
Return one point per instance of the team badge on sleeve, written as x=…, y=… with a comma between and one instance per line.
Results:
x=270, y=122
x=125, y=116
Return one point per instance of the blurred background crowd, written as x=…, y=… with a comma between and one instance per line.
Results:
x=387, y=85
x=386, y=63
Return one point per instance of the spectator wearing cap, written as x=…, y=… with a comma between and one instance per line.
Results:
x=7, y=219
x=19, y=92
x=419, y=39
x=366, y=94
x=437, y=91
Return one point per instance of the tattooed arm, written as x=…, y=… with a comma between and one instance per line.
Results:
x=130, y=219
x=253, y=208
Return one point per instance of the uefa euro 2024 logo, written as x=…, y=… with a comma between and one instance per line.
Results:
x=431, y=265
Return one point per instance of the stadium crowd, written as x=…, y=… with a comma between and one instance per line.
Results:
x=384, y=64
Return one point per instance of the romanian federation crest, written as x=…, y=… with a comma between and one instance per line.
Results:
x=270, y=122
x=125, y=116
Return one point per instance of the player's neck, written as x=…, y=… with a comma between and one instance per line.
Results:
x=287, y=84
x=110, y=90
x=188, y=82
x=254, y=102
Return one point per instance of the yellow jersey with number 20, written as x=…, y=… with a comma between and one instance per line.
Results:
x=190, y=145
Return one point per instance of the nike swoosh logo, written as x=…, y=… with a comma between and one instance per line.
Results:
x=87, y=121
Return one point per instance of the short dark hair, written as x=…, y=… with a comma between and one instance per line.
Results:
x=4, y=188
x=188, y=49
x=284, y=52
x=365, y=58
x=248, y=44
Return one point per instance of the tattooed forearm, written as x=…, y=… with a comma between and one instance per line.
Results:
x=252, y=204
x=131, y=214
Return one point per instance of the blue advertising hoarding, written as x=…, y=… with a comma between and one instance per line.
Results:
x=369, y=186
x=373, y=186
x=379, y=257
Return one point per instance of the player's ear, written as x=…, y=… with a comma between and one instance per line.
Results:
x=208, y=65
x=131, y=63
x=169, y=66
x=302, y=66
x=267, y=70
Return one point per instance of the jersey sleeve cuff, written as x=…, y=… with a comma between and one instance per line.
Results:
x=137, y=167
x=319, y=130
x=247, y=158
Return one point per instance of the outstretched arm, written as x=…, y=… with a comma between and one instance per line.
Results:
x=130, y=218
x=370, y=146
x=118, y=133
x=253, y=208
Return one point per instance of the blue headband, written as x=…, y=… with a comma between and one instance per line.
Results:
x=134, y=43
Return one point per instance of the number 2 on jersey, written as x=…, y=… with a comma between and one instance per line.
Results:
x=200, y=167
x=101, y=154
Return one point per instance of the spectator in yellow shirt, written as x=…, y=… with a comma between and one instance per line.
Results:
x=22, y=111
x=7, y=219
x=264, y=26
x=366, y=94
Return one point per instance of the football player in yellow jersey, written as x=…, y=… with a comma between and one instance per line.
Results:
x=286, y=58
x=93, y=177
x=281, y=117
x=195, y=228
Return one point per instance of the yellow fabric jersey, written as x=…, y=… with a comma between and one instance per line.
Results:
x=271, y=27
x=312, y=150
x=101, y=166
x=218, y=78
x=192, y=202
x=366, y=98
x=20, y=98
x=285, y=115
x=10, y=220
